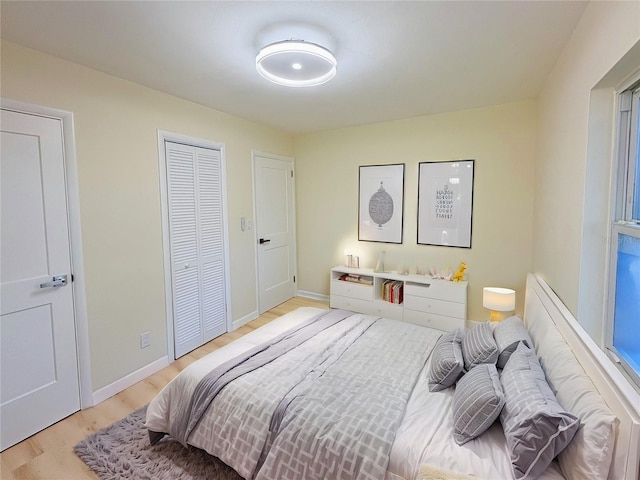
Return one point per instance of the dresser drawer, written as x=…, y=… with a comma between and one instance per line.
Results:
x=448, y=291
x=353, y=304
x=440, y=307
x=386, y=310
x=353, y=290
x=381, y=309
x=432, y=320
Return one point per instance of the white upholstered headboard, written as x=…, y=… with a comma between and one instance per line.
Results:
x=544, y=309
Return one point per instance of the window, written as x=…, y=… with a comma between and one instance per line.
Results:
x=624, y=296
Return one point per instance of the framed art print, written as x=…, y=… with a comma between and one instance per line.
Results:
x=381, y=203
x=445, y=203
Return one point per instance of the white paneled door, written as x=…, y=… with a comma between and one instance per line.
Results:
x=39, y=369
x=275, y=230
x=196, y=234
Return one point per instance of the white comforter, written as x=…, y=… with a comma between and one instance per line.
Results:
x=424, y=437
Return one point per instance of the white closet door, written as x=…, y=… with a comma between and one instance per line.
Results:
x=211, y=235
x=196, y=243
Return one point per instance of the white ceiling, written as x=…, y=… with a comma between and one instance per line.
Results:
x=396, y=59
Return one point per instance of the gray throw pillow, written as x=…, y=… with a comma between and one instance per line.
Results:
x=477, y=402
x=508, y=334
x=478, y=346
x=446, y=361
x=535, y=425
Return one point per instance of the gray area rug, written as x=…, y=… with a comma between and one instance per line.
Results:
x=122, y=451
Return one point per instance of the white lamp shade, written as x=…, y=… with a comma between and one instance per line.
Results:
x=499, y=299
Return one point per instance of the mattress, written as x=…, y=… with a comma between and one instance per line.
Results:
x=423, y=438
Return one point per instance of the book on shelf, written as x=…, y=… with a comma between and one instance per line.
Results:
x=355, y=278
x=392, y=291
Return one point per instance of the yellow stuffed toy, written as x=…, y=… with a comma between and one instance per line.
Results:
x=459, y=275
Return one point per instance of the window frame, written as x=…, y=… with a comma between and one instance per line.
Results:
x=633, y=231
x=626, y=190
x=631, y=187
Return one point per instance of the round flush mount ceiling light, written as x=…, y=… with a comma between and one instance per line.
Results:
x=296, y=63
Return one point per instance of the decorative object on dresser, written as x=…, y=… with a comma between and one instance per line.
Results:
x=381, y=203
x=459, y=275
x=498, y=300
x=439, y=274
x=445, y=203
x=415, y=299
x=380, y=264
x=351, y=259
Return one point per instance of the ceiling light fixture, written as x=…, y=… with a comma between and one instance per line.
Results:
x=296, y=63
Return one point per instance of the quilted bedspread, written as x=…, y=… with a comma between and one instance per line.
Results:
x=326, y=407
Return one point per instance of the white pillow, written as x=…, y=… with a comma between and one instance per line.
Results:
x=590, y=452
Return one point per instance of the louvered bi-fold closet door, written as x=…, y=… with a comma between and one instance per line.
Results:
x=194, y=184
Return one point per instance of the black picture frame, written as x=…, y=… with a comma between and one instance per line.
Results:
x=381, y=203
x=445, y=203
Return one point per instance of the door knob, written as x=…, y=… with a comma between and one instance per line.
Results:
x=262, y=241
x=57, y=281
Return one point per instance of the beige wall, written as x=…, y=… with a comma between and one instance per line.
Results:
x=502, y=141
x=116, y=124
x=606, y=32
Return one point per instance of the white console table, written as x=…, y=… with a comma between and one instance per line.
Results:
x=433, y=303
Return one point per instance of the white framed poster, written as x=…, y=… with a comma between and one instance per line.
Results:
x=445, y=203
x=381, y=203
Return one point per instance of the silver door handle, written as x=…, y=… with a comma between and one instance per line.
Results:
x=57, y=281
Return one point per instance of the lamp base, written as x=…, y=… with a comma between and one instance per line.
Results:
x=496, y=316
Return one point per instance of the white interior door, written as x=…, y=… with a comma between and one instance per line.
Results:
x=194, y=183
x=39, y=369
x=275, y=230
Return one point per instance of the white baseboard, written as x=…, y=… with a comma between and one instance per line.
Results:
x=299, y=293
x=313, y=295
x=134, y=377
x=129, y=380
x=246, y=319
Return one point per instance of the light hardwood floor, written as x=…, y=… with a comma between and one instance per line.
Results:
x=48, y=455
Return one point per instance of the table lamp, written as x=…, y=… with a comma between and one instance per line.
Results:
x=498, y=300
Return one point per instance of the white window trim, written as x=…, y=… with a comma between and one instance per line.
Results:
x=632, y=153
x=633, y=231
x=622, y=205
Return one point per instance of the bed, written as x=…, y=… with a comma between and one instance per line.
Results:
x=332, y=394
